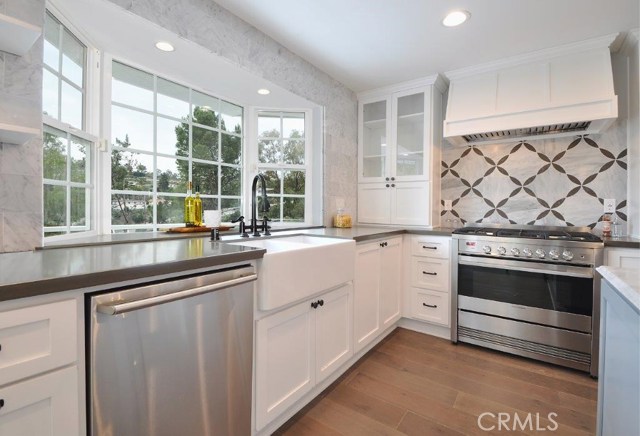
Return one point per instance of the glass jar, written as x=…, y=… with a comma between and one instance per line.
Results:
x=341, y=219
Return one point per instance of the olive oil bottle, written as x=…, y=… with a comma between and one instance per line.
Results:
x=197, y=208
x=189, y=208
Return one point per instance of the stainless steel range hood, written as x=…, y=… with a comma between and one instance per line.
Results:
x=563, y=91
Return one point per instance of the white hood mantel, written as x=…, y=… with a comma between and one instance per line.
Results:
x=562, y=91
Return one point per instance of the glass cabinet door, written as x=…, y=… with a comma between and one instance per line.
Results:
x=410, y=148
x=374, y=139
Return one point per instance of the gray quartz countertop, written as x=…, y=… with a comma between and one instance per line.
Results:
x=91, y=262
x=622, y=242
x=626, y=281
x=40, y=272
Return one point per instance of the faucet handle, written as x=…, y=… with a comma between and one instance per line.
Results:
x=239, y=219
x=265, y=226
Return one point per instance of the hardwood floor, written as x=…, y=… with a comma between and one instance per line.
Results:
x=416, y=384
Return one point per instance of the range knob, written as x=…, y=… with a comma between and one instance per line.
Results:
x=486, y=249
x=553, y=254
x=567, y=255
x=540, y=253
x=515, y=252
x=527, y=252
x=502, y=251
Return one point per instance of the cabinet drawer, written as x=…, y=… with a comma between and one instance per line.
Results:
x=45, y=405
x=430, y=306
x=37, y=339
x=431, y=247
x=430, y=273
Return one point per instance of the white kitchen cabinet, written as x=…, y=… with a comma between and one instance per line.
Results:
x=298, y=347
x=622, y=257
x=39, y=379
x=619, y=368
x=429, y=278
x=377, y=289
x=45, y=405
x=399, y=153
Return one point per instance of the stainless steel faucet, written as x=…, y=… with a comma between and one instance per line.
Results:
x=253, y=226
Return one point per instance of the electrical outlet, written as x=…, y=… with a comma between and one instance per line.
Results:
x=448, y=204
x=609, y=205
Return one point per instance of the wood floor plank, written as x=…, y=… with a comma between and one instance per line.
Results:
x=478, y=405
x=407, y=381
x=499, y=358
x=412, y=383
x=348, y=422
x=485, y=359
x=417, y=403
x=307, y=426
x=547, y=394
x=365, y=404
x=416, y=425
x=497, y=393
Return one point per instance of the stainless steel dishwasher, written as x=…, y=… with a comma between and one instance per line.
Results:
x=173, y=357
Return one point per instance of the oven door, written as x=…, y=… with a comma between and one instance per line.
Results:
x=559, y=296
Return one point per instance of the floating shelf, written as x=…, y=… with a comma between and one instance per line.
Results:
x=12, y=134
x=17, y=36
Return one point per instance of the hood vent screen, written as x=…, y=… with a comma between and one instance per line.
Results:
x=529, y=131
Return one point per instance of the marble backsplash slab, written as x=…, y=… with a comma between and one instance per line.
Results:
x=561, y=181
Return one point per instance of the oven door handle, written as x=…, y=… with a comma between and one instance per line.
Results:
x=533, y=267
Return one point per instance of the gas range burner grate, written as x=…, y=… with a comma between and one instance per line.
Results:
x=552, y=235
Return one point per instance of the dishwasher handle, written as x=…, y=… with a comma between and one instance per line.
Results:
x=118, y=307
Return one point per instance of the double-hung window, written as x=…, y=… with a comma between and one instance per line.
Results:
x=68, y=187
x=164, y=135
x=284, y=159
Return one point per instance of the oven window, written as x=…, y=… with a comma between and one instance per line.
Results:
x=544, y=291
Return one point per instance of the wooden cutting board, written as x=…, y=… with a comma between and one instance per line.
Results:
x=196, y=229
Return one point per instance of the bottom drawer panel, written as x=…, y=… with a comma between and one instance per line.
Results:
x=430, y=306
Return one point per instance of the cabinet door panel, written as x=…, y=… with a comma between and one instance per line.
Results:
x=37, y=339
x=390, y=281
x=410, y=203
x=284, y=361
x=366, y=296
x=374, y=140
x=334, y=337
x=45, y=405
x=410, y=159
x=373, y=203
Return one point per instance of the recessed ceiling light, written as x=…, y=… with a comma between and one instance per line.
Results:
x=164, y=46
x=263, y=91
x=455, y=18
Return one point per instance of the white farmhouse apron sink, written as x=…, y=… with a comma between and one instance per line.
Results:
x=297, y=267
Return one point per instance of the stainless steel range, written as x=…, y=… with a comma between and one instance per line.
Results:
x=530, y=291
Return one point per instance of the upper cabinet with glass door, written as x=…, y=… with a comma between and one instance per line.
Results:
x=395, y=135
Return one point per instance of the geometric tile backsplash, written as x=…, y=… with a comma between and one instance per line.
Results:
x=561, y=181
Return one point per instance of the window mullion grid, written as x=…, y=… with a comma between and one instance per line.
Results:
x=154, y=177
x=59, y=73
x=68, y=184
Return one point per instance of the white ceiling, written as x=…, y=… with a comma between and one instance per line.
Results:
x=371, y=43
x=190, y=63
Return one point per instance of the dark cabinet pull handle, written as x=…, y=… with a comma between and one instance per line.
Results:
x=321, y=302
x=429, y=248
x=393, y=185
x=433, y=306
x=386, y=186
x=314, y=304
x=386, y=179
x=429, y=273
x=392, y=179
x=1, y=403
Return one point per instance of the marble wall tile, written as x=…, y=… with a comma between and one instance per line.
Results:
x=20, y=227
x=561, y=181
x=21, y=166
x=243, y=44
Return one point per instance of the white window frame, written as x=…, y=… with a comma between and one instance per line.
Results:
x=89, y=132
x=105, y=161
x=254, y=166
